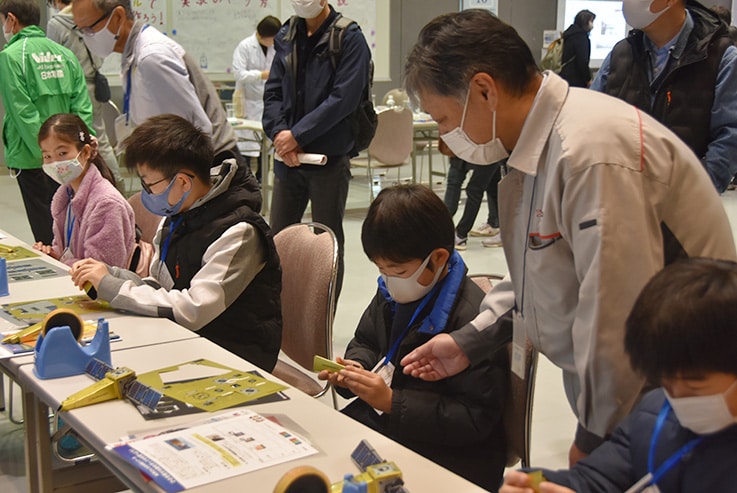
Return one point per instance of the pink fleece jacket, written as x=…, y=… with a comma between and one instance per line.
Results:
x=104, y=225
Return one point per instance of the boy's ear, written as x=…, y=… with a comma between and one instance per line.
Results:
x=438, y=258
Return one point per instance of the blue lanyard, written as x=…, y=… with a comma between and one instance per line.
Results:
x=128, y=88
x=674, y=459
x=390, y=355
x=70, y=223
x=165, y=247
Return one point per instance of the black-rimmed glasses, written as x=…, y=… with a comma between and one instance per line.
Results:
x=89, y=30
x=147, y=186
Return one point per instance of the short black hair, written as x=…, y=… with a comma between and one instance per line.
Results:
x=268, y=27
x=27, y=12
x=169, y=143
x=684, y=321
x=583, y=18
x=406, y=222
x=453, y=47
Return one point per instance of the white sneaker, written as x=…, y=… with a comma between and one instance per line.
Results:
x=492, y=241
x=483, y=230
x=461, y=243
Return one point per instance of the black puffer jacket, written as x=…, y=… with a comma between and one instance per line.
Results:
x=455, y=422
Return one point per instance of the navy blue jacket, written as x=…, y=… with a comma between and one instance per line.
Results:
x=330, y=96
x=621, y=461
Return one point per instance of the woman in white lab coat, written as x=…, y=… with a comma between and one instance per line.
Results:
x=251, y=63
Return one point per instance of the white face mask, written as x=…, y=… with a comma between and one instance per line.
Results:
x=64, y=172
x=703, y=414
x=407, y=289
x=637, y=13
x=103, y=41
x=462, y=146
x=307, y=9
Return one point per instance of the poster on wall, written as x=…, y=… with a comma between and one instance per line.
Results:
x=490, y=5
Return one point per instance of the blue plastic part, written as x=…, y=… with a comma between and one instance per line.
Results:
x=58, y=354
x=352, y=484
x=4, y=291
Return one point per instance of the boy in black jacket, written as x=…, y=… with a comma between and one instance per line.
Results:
x=423, y=291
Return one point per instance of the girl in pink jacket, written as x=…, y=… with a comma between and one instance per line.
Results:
x=91, y=217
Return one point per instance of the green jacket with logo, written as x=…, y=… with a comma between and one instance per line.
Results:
x=38, y=78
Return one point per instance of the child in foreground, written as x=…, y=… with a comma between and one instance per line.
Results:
x=423, y=291
x=681, y=437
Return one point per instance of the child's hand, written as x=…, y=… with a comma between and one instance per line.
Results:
x=369, y=386
x=88, y=270
x=516, y=482
x=519, y=482
x=45, y=249
x=334, y=377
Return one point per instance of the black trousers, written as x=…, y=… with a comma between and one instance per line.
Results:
x=37, y=190
x=325, y=188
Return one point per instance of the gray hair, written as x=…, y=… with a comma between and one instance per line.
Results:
x=105, y=6
x=454, y=47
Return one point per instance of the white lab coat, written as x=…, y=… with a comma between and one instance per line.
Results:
x=248, y=63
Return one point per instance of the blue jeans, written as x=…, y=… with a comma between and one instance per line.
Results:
x=480, y=182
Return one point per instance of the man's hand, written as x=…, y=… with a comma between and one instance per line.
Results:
x=88, y=270
x=47, y=249
x=284, y=143
x=264, y=74
x=369, y=386
x=438, y=358
x=291, y=159
x=519, y=482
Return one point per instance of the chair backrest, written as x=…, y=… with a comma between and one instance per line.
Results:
x=392, y=144
x=109, y=113
x=147, y=221
x=517, y=413
x=400, y=97
x=308, y=254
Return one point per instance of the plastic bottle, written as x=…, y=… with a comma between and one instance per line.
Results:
x=390, y=101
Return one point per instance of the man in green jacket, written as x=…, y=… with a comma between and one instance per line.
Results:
x=38, y=78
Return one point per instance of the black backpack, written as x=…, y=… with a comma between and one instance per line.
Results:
x=363, y=119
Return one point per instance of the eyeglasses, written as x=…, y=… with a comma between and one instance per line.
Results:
x=147, y=186
x=89, y=30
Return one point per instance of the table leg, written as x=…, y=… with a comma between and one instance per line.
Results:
x=37, y=444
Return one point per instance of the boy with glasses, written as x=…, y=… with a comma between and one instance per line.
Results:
x=215, y=269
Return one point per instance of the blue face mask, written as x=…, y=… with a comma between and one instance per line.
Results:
x=158, y=203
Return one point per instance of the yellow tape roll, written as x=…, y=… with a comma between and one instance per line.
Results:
x=62, y=317
x=303, y=479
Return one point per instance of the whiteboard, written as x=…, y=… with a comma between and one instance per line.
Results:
x=211, y=29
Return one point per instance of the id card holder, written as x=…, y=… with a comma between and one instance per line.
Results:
x=385, y=369
x=644, y=485
x=519, y=345
x=123, y=129
x=67, y=255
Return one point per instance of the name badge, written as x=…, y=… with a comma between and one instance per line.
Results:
x=519, y=345
x=385, y=369
x=67, y=255
x=122, y=130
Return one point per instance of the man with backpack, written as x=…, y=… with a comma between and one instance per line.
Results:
x=310, y=99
